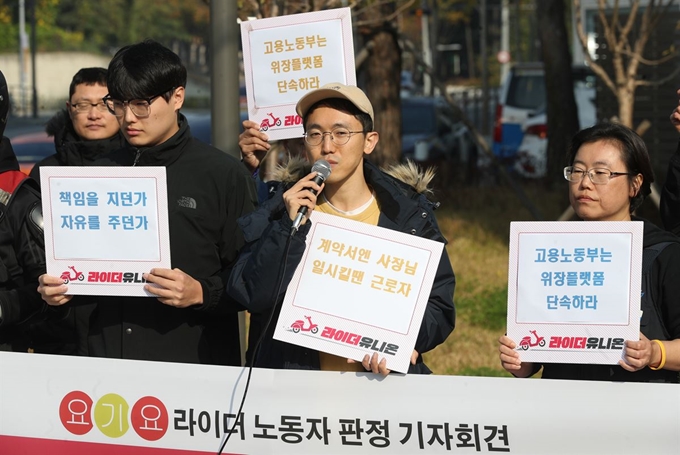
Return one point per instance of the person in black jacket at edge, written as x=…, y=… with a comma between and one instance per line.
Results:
x=83, y=132
x=670, y=194
x=192, y=320
x=338, y=122
x=22, y=248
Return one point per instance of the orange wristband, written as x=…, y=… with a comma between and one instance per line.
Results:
x=663, y=356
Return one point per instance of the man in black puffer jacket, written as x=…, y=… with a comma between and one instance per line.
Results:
x=83, y=132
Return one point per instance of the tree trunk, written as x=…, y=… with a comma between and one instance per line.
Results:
x=561, y=106
x=626, y=101
x=470, y=50
x=383, y=78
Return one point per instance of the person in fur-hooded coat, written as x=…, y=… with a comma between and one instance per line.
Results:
x=338, y=121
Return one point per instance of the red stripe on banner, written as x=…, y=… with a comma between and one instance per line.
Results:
x=17, y=445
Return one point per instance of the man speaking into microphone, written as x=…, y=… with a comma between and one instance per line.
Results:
x=338, y=124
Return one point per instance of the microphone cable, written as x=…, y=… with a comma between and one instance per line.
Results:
x=323, y=170
x=256, y=350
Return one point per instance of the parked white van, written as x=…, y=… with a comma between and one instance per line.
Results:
x=523, y=96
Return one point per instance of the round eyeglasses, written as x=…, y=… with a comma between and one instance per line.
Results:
x=140, y=107
x=599, y=176
x=86, y=106
x=339, y=136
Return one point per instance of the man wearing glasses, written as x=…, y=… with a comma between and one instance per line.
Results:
x=192, y=320
x=338, y=122
x=86, y=130
x=83, y=132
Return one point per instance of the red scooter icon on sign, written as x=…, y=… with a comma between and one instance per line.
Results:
x=266, y=123
x=66, y=276
x=526, y=342
x=299, y=326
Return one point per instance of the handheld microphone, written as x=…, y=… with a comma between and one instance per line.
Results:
x=323, y=170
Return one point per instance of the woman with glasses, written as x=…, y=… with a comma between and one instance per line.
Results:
x=609, y=175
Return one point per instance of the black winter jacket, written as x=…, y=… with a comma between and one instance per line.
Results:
x=256, y=273
x=70, y=149
x=665, y=295
x=207, y=191
x=22, y=254
x=670, y=195
x=69, y=334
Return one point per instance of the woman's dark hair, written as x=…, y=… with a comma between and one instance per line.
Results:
x=144, y=70
x=343, y=105
x=633, y=153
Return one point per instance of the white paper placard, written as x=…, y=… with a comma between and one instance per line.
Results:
x=105, y=227
x=287, y=56
x=359, y=289
x=574, y=289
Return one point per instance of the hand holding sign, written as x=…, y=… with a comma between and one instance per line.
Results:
x=53, y=290
x=174, y=287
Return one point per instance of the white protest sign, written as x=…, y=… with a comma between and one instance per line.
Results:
x=359, y=289
x=105, y=227
x=285, y=57
x=574, y=290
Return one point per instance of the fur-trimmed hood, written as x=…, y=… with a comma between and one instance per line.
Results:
x=71, y=149
x=409, y=173
x=59, y=125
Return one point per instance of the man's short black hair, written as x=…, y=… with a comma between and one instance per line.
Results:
x=87, y=76
x=144, y=70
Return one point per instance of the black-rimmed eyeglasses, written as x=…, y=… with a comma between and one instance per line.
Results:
x=140, y=107
x=339, y=136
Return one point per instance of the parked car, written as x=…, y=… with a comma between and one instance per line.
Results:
x=32, y=147
x=522, y=96
x=532, y=154
x=430, y=133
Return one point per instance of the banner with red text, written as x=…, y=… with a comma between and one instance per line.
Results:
x=85, y=406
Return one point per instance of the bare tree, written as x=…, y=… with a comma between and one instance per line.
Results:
x=627, y=51
x=380, y=73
